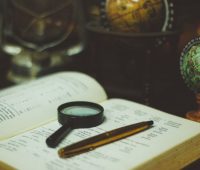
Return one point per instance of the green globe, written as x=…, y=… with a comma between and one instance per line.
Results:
x=138, y=15
x=190, y=66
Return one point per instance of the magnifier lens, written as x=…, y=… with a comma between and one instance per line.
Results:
x=73, y=115
x=80, y=111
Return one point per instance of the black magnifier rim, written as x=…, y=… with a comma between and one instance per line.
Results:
x=81, y=121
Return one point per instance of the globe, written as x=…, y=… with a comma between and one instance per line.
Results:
x=136, y=15
x=190, y=67
x=190, y=70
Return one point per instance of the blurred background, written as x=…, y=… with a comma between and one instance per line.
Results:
x=38, y=38
x=41, y=37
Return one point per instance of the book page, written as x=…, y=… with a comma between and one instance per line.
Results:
x=168, y=131
x=29, y=105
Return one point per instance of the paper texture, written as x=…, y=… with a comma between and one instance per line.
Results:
x=169, y=133
x=29, y=105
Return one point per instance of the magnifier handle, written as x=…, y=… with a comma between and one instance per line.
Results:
x=53, y=140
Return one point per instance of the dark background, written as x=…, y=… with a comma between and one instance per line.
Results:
x=123, y=66
x=129, y=67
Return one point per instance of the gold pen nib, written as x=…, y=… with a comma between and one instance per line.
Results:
x=61, y=152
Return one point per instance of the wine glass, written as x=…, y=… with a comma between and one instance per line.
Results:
x=38, y=35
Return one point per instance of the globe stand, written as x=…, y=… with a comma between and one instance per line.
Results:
x=195, y=114
x=125, y=62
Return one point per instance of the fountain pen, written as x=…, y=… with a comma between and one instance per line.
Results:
x=102, y=139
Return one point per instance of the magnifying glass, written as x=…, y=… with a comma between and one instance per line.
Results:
x=73, y=115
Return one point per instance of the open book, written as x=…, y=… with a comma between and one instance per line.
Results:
x=28, y=115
